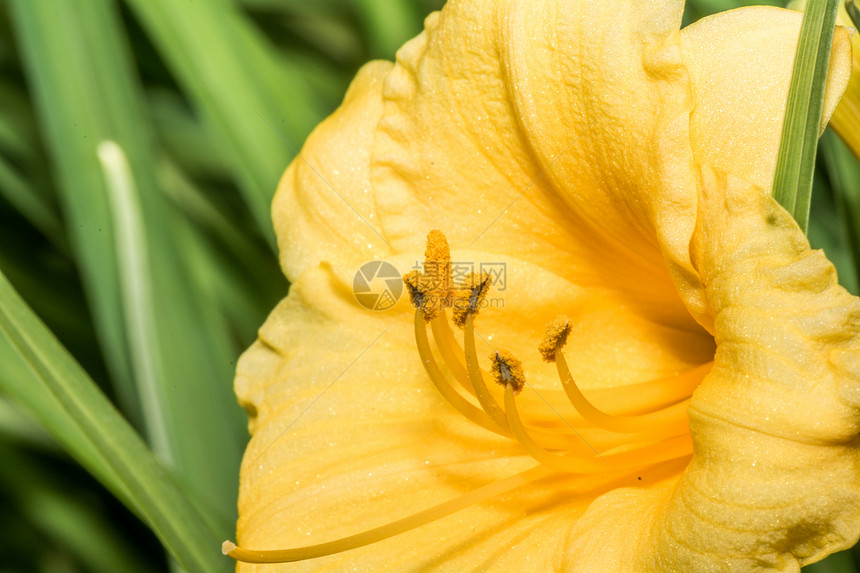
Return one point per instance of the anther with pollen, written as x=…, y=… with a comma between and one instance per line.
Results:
x=507, y=370
x=469, y=297
x=557, y=332
x=418, y=294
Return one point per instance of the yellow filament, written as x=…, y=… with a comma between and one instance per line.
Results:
x=389, y=530
x=653, y=393
x=488, y=403
x=444, y=339
x=551, y=439
x=666, y=417
x=454, y=398
x=645, y=455
x=452, y=352
x=634, y=398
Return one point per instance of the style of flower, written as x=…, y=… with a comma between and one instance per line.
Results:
x=701, y=407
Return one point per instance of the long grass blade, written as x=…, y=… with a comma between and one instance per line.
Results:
x=133, y=258
x=792, y=185
x=94, y=425
x=166, y=351
x=389, y=23
x=234, y=79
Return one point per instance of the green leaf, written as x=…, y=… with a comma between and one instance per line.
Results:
x=170, y=357
x=842, y=562
x=64, y=398
x=792, y=185
x=66, y=520
x=136, y=289
x=844, y=172
x=252, y=101
x=19, y=193
x=389, y=23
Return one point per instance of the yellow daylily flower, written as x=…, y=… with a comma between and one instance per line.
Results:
x=619, y=170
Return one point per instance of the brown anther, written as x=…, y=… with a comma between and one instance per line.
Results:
x=508, y=370
x=555, y=338
x=422, y=294
x=413, y=284
x=469, y=296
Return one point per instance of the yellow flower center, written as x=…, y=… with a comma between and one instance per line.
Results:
x=598, y=442
x=598, y=445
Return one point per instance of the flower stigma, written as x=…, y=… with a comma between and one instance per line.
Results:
x=650, y=427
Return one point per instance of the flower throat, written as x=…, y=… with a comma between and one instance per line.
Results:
x=598, y=446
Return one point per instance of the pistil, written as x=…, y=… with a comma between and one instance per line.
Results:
x=376, y=534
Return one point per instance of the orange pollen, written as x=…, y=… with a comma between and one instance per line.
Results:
x=555, y=338
x=469, y=297
x=508, y=370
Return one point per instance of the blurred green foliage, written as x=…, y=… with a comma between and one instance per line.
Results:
x=155, y=267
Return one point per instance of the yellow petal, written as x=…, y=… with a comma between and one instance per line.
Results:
x=846, y=117
x=460, y=140
x=553, y=132
x=740, y=65
x=775, y=480
x=324, y=209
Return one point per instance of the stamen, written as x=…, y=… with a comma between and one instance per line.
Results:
x=422, y=294
x=431, y=290
x=370, y=536
x=555, y=338
x=488, y=403
x=445, y=343
x=508, y=370
x=414, y=282
x=657, y=452
x=452, y=396
x=552, y=439
x=641, y=396
x=610, y=447
x=469, y=297
x=665, y=418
